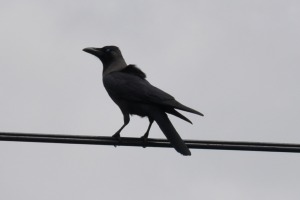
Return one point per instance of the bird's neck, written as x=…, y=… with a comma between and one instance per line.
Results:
x=114, y=66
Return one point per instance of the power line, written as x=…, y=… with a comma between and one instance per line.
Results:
x=129, y=141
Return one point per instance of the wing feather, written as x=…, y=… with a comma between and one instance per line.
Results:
x=134, y=88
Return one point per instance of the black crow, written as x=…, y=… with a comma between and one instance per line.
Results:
x=129, y=89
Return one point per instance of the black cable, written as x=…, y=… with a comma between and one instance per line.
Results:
x=129, y=141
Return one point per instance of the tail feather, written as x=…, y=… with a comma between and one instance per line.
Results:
x=170, y=132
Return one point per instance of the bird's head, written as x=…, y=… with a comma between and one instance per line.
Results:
x=110, y=56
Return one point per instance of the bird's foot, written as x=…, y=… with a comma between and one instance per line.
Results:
x=117, y=137
x=144, y=138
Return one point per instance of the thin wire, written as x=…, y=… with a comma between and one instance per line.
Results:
x=129, y=141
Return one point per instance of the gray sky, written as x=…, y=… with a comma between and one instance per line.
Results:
x=237, y=62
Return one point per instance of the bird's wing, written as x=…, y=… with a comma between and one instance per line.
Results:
x=133, y=88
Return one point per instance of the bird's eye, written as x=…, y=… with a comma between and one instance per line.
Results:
x=107, y=50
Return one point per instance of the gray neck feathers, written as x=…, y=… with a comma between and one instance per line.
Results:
x=116, y=65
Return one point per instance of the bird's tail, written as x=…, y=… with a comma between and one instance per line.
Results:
x=170, y=132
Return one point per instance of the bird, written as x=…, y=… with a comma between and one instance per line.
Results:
x=128, y=88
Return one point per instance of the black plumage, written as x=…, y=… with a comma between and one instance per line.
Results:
x=129, y=89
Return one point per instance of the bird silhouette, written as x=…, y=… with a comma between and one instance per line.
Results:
x=128, y=88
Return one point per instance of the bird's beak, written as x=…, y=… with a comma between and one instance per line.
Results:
x=94, y=51
x=90, y=50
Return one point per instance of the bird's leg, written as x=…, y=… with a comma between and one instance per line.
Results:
x=126, y=121
x=145, y=136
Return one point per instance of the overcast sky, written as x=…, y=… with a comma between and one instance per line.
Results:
x=238, y=62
